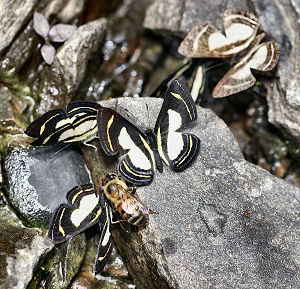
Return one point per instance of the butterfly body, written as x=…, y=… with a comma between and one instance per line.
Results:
x=148, y=149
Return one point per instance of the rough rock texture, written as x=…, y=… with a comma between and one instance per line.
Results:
x=21, y=251
x=279, y=19
x=39, y=180
x=13, y=15
x=74, y=54
x=222, y=223
x=65, y=74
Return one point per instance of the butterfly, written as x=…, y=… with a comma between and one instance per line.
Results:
x=77, y=123
x=263, y=57
x=205, y=40
x=194, y=75
x=84, y=209
x=147, y=150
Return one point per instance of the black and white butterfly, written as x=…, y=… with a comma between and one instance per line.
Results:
x=146, y=150
x=84, y=209
x=77, y=123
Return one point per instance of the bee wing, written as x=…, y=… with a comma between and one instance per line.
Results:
x=105, y=242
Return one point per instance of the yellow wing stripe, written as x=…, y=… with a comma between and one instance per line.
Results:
x=129, y=170
x=97, y=215
x=80, y=107
x=44, y=125
x=75, y=196
x=109, y=123
x=60, y=228
x=191, y=145
x=101, y=258
x=159, y=146
x=180, y=98
x=148, y=149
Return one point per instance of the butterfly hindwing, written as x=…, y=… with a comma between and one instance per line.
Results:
x=105, y=242
x=117, y=134
x=178, y=110
x=263, y=57
x=81, y=212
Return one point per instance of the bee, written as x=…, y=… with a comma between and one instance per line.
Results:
x=122, y=200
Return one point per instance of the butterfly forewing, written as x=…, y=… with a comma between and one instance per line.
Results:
x=177, y=149
x=105, y=242
x=116, y=134
x=77, y=124
x=205, y=40
x=81, y=212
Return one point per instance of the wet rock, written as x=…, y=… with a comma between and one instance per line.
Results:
x=69, y=67
x=222, y=223
x=179, y=17
x=21, y=251
x=72, y=9
x=39, y=179
x=65, y=263
x=128, y=58
x=13, y=15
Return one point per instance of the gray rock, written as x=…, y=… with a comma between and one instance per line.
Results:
x=38, y=180
x=73, y=56
x=280, y=20
x=13, y=15
x=21, y=251
x=222, y=223
x=62, y=78
x=71, y=10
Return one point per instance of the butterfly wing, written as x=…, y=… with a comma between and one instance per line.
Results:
x=116, y=134
x=77, y=124
x=48, y=128
x=105, y=242
x=263, y=57
x=177, y=149
x=205, y=40
x=81, y=212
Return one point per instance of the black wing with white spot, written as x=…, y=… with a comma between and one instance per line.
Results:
x=177, y=149
x=77, y=124
x=117, y=134
x=81, y=212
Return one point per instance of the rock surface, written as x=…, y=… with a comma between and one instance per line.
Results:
x=179, y=17
x=21, y=251
x=222, y=223
x=66, y=73
x=13, y=15
x=39, y=180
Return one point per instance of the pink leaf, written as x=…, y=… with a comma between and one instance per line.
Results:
x=40, y=24
x=48, y=53
x=61, y=32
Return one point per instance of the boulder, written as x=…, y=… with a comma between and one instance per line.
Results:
x=222, y=223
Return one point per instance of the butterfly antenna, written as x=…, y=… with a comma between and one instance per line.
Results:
x=64, y=147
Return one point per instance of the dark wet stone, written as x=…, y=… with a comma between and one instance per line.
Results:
x=179, y=17
x=38, y=180
x=21, y=251
x=65, y=263
x=13, y=15
x=222, y=223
